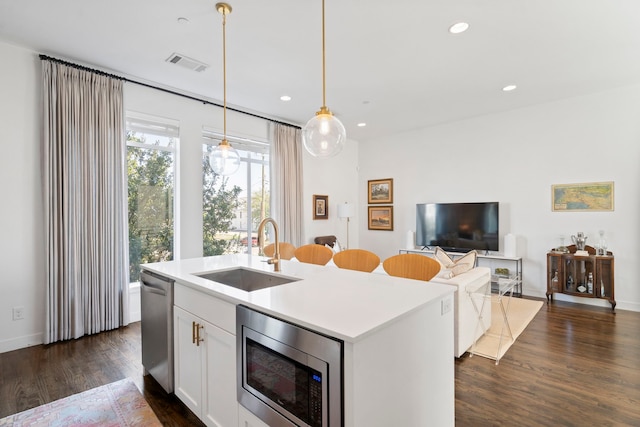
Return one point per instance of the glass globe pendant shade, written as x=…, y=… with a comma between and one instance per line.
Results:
x=224, y=159
x=324, y=134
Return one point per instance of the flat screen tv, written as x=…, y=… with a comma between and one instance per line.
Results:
x=458, y=227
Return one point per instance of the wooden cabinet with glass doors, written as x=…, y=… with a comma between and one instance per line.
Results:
x=589, y=276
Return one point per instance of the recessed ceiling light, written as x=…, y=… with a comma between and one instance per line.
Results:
x=285, y=98
x=183, y=21
x=509, y=88
x=458, y=27
x=361, y=125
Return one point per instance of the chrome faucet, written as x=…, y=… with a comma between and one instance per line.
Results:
x=276, y=254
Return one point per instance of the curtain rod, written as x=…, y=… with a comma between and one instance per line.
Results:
x=204, y=101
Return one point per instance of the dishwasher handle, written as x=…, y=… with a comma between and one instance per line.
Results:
x=153, y=289
x=156, y=285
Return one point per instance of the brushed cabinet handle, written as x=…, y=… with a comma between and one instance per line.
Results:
x=198, y=339
x=193, y=332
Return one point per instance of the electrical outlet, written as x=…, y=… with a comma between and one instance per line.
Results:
x=445, y=305
x=18, y=313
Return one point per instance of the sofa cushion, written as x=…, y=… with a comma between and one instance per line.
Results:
x=451, y=267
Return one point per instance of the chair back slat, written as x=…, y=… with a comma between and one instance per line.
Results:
x=287, y=250
x=411, y=266
x=357, y=259
x=314, y=254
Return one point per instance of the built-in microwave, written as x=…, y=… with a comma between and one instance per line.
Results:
x=288, y=375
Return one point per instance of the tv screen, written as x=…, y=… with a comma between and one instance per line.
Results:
x=458, y=227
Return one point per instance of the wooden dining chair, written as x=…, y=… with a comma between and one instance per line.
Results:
x=287, y=250
x=357, y=259
x=313, y=254
x=411, y=266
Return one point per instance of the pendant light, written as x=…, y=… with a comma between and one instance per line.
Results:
x=324, y=135
x=224, y=159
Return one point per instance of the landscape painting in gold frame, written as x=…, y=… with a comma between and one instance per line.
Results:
x=381, y=218
x=320, y=207
x=583, y=197
x=380, y=191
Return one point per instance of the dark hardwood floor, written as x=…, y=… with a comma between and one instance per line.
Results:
x=574, y=365
x=33, y=376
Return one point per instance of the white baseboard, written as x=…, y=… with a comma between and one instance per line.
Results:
x=21, y=342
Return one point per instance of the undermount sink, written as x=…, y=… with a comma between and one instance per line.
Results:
x=245, y=279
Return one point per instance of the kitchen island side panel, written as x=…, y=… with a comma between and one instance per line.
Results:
x=403, y=375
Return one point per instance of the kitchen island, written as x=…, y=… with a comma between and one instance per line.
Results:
x=397, y=333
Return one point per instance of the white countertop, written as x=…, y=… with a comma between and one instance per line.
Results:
x=342, y=303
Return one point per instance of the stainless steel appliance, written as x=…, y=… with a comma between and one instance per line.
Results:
x=288, y=375
x=156, y=298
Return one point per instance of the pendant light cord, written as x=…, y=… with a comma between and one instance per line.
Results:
x=224, y=72
x=324, y=84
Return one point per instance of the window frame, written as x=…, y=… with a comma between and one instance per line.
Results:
x=254, y=148
x=163, y=127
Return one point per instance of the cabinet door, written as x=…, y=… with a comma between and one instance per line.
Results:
x=604, y=278
x=221, y=404
x=188, y=361
x=577, y=273
x=555, y=270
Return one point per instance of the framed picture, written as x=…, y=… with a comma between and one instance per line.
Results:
x=320, y=207
x=586, y=197
x=380, y=191
x=381, y=218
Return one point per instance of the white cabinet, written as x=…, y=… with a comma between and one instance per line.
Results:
x=205, y=365
x=188, y=361
x=221, y=402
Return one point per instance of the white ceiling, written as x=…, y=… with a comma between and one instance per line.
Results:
x=390, y=64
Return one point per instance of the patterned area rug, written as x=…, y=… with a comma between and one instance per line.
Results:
x=521, y=313
x=113, y=405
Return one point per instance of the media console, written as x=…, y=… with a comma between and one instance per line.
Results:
x=484, y=259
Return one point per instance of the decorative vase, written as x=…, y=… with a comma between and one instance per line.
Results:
x=562, y=248
x=602, y=244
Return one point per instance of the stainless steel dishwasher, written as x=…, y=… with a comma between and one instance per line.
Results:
x=157, y=327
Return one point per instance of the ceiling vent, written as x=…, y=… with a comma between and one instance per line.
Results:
x=187, y=62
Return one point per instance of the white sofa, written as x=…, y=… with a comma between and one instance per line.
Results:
x=466, y=326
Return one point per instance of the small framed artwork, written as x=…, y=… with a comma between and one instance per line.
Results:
x=380, y=191
x=320, y=207
x=584, y=197
x=381, y=218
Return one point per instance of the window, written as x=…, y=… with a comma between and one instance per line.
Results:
x=233, y=206
x=151, y=149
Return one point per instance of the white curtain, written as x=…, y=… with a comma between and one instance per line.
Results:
x=286, y=187
x=84, y=197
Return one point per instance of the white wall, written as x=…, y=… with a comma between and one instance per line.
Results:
x=514, y=158
x=21, y=226
x=336, y=177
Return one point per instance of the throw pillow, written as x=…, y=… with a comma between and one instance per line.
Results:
x=451, y=267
